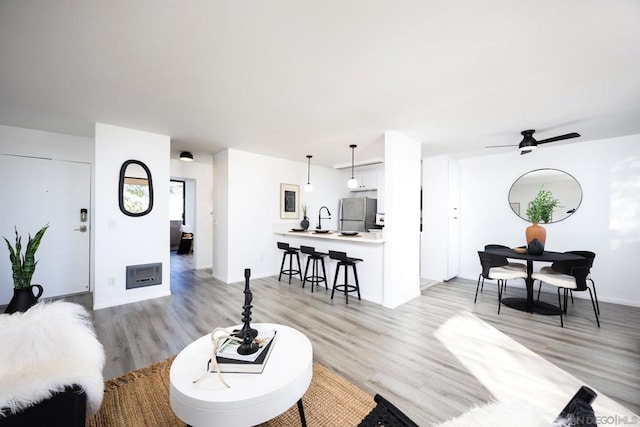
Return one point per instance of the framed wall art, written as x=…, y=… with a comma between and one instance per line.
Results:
x=289, y=201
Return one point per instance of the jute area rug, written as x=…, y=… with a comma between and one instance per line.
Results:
x=141, y=398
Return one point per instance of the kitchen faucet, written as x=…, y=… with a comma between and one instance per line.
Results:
x=319, y=227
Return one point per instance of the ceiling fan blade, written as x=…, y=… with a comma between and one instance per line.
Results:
x=559, y=138
x=496, y=146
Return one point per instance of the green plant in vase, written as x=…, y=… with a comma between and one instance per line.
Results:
x=540, y=210
x=541, y=207
x=22, y=267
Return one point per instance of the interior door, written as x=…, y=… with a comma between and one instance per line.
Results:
x=35, y=192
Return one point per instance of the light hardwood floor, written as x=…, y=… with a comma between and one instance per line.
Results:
x=419, y=375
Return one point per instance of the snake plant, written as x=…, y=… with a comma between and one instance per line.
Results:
x=23, y=266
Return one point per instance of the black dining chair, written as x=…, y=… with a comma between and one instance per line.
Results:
x=568, y=276
x=510, y=265
x=586, y=254
x=495, y=267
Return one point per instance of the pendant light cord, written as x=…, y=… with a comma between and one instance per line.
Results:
x=352, y=157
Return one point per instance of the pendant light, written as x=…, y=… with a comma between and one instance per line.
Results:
x=353, y=182
x=308, y=187
x=186, y=156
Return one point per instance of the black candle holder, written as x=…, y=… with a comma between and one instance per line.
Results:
x=247, y=333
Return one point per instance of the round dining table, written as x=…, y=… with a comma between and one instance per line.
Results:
x=528, y=304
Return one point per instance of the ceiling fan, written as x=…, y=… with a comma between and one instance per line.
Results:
x=529, y=143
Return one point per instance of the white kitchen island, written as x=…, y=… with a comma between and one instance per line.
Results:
x=367, y=246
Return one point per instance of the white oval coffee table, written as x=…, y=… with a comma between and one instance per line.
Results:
x=252, y=398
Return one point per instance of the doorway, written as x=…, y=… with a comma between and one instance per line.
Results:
x=176, y=212
x=182, y=215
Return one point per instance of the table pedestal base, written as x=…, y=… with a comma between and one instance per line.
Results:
x=538, y=307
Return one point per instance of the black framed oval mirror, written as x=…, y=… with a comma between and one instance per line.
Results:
x=562, y=185
x=135, y=189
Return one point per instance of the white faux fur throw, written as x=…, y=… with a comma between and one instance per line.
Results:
x=504, y=414
x=50, y=346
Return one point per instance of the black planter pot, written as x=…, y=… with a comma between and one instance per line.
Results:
x=23, y=299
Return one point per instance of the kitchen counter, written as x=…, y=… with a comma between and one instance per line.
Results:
x=361, y=237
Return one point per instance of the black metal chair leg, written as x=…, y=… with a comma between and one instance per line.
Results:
x=560, y=303
x=324, y=273
x=594, y=307
x=306, y=269
x=595, y=294
x=477, y=287
x=539, y=287
x=299, y=266
x=346, y=291
x=355, y=275
x=499, y=295
x=335, y=280
x=314, y=273
x=284, y=257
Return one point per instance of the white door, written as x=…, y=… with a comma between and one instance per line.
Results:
x=34, y=192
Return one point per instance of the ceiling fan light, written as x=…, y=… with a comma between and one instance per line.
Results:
x=186, y=156
x=527, y=147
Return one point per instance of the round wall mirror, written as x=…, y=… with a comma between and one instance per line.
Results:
x=135, y=190
x=563, y=187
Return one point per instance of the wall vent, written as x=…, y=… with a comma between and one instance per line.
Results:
x=142, y=275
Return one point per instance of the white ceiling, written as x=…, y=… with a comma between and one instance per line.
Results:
x=289, y=78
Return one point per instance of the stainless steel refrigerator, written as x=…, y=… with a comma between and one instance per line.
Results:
x=357, y=213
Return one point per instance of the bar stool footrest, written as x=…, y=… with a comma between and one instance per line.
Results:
x=350, y=288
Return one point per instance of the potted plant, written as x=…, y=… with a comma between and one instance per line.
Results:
x=23, y=267
x=540, y=210
x=305, y=219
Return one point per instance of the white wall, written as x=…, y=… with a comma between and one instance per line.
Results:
x=199, y=174
x=402, y=219
x=220, y=235
x=607, y=222
x=121, y=240
x=35, y=143
x=247, y=208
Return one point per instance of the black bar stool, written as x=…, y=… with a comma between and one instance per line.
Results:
x=345, y=261
x=288, y=250
x=315, y=277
